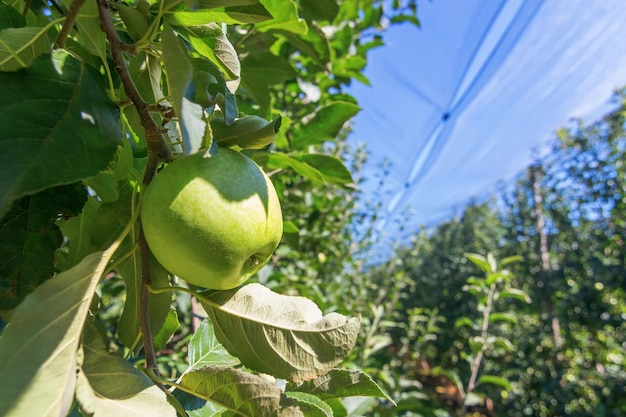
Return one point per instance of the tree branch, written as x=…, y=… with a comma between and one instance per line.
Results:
x=72, y=14
x=158, y=152
x=158, y=148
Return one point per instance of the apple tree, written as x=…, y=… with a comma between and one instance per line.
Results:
x=100, y=98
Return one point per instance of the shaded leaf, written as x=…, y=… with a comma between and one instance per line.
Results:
x=10, y=18
x=29, y=237
x=280, y=335
x=245, y=393
x=167, y=330
x=205, y=349
x=129, y=330
x=332, y=169
x=41, y=342
x=108, y=385
x=230, y=15
x=59, y=124
x=88, y=23
x=20, y=46
x=179, y=74
x=340, y=383
x=325, y=125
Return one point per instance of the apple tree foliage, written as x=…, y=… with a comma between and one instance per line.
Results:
x=96, y=97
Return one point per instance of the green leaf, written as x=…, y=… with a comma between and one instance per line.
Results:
x=283, y=161
x=59, y=124
x=497, y=277
x=325, y=125
x=29, y=238
x=495, y=380
x=230, y=15
x=516, y=294
x=280, y=335
x=508, y=317
x=310, y=405
x=314, y=44
x=167, y=330
x=339, y=383
x=319, y=10
x=285, y=17
x=76, y=231
x=20, y=46
x=179, y=75
x=480, y=261
x=210, y=42
x=463, y=321
x=271, y=69
x=10, y=18
x=40, y=343
x=108, y=385
x=129, y=330
x=245, y=393
x=333, y=170
x=205, y=349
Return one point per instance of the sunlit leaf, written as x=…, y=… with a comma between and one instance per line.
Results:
x=280, y=335
x=107, y=385
x=310, y=405
x=205, y=349
x=340, y=383
x=248, y=394
x=41, y=342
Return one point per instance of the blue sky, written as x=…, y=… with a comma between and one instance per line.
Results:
x=460, y=103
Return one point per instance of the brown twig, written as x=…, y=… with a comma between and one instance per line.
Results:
x=158, y=148
x=70, y=19
x=158, y=152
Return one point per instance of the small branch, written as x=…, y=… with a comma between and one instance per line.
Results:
x=158, y=152
x=158, y=149
x=72, y=14
x=475, y=366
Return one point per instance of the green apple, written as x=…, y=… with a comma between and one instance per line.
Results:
x=213, y=221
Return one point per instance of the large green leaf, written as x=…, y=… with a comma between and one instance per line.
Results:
x=247, y=394
x=10, y=18
x=107, y=385
x=39, y=346
x=325, y=125
x=340, y=383
x=280, y=335
x=57, y=125
x=205, y=349
x=29, y=238
x=285, y=17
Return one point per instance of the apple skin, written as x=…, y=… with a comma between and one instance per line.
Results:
x=212, y=221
